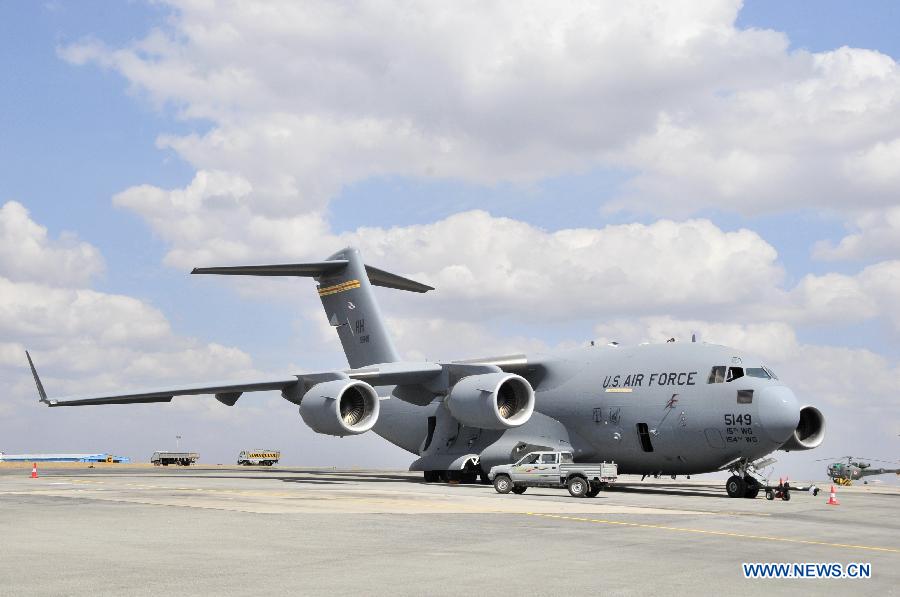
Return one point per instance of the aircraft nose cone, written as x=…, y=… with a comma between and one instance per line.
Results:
x=779, y=413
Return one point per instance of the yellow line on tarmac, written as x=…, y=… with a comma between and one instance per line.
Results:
x=708, y=532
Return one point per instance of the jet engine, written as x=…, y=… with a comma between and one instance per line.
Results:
x=492, y=401
x=340, y=407
x=810, y=431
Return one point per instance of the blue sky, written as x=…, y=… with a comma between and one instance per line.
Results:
x=75, y=135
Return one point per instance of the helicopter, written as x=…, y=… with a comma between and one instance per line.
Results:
x=845, y=473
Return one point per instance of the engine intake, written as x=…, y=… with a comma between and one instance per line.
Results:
x=810, y=430
x=492, y=401
x=340, y=407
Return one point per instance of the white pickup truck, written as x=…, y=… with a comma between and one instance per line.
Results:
x=553, y=469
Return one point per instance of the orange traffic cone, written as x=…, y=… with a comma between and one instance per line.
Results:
x=34, y=470
x=832, y=499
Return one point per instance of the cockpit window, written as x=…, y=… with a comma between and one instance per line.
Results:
x=716, y=375
x=734, y=373
x=770, y=372
x=758, y=372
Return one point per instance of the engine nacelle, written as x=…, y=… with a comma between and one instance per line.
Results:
x=492, y=401
x=340, y=407
x=810, y=431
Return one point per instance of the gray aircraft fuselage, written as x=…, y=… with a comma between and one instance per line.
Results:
x=649, y=408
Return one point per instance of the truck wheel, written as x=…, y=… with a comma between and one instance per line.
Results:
x=578, y=487
x=519, y=489
x=503, y=484
x=735, y=486
x=770, y=495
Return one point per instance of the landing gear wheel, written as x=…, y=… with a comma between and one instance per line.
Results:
x=519, y=490
x=503, y=484
x=432, y=477
x=786, y=496
x=594, y=490
x=770, y=495
x=578, y=487
x=735, y=486
x=752, y=489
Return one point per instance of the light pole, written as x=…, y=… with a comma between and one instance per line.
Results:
x=177, y=443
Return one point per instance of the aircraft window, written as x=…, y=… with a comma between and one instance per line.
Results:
x=745, y=397
x=548, y=459
x=758, y=372
x=565, y=457
x=734, y=373
x=716, y=375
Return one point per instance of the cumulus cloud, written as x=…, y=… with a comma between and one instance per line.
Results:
x=486, y=266
x=307, y=97
x=489, y=264
x=876, y=233
x=495, y=265
x=872, y=292
x=28, y=254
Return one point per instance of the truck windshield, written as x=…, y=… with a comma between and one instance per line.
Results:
x=530, y=459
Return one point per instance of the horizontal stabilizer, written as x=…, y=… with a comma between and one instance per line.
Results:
x=309, y=270
x=377, y=277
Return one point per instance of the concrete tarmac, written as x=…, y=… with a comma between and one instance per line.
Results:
x=221, y=530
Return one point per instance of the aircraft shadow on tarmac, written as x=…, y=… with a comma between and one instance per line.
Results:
x=716, y=492
x=340, y=477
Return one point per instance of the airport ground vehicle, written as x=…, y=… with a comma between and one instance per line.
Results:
x=177, y=458
x=259, y=457
x=553, y=469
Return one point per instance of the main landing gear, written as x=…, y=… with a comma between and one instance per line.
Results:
x=745, y=487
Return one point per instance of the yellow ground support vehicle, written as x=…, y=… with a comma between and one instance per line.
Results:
x=259, y=457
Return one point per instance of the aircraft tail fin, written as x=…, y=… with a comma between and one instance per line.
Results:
x=345, y=288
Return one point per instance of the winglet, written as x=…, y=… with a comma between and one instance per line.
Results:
x=37, y=381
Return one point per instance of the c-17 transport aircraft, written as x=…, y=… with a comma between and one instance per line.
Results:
x=655, y=409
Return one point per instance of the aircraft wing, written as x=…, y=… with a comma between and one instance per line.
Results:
x=532, y=368
x=292, y=386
